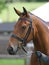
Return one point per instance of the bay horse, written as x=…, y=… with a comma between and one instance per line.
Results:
x=29, y=27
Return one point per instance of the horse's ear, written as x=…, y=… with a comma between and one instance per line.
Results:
x=25, y=11
x=17, y=12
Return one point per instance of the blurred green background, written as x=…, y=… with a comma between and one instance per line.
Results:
x=7, y=14
x=12, y=62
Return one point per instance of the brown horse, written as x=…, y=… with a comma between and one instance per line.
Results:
x=29, y=27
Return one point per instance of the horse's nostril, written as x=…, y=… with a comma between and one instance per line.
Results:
x=11, y=48
x=10, y=51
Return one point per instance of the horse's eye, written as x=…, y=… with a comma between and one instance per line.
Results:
x=23, y=27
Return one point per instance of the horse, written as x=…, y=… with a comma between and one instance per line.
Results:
x=29, y=27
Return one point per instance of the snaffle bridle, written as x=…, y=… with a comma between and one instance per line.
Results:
x=24, y=40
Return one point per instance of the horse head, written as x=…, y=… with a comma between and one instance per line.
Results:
x=23, y=31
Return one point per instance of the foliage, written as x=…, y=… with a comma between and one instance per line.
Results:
x=9, y=15
x=42, y=0
x=2, y=5
x=31, y=0
x=4, y=2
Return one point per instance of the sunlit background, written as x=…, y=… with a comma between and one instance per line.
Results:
x=7, y=13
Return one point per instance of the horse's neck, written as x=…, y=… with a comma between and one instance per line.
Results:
x=42, y=37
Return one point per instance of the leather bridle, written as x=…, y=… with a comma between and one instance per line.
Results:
x=24, y=40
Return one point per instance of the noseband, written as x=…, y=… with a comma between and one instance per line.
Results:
x=24, y=40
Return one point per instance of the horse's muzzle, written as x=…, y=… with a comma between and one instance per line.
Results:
x=11, y=51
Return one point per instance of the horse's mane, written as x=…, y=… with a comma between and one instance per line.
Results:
x=39, y=18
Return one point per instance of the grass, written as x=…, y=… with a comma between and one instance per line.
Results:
x=11, y=62
x=9, y=14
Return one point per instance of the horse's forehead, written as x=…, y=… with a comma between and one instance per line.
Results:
x=22, y=20
x=19, y=23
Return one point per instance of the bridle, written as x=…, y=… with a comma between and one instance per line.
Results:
x=24, y=40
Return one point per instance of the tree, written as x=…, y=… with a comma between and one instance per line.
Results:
x=42, y=0
x=2, y=5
